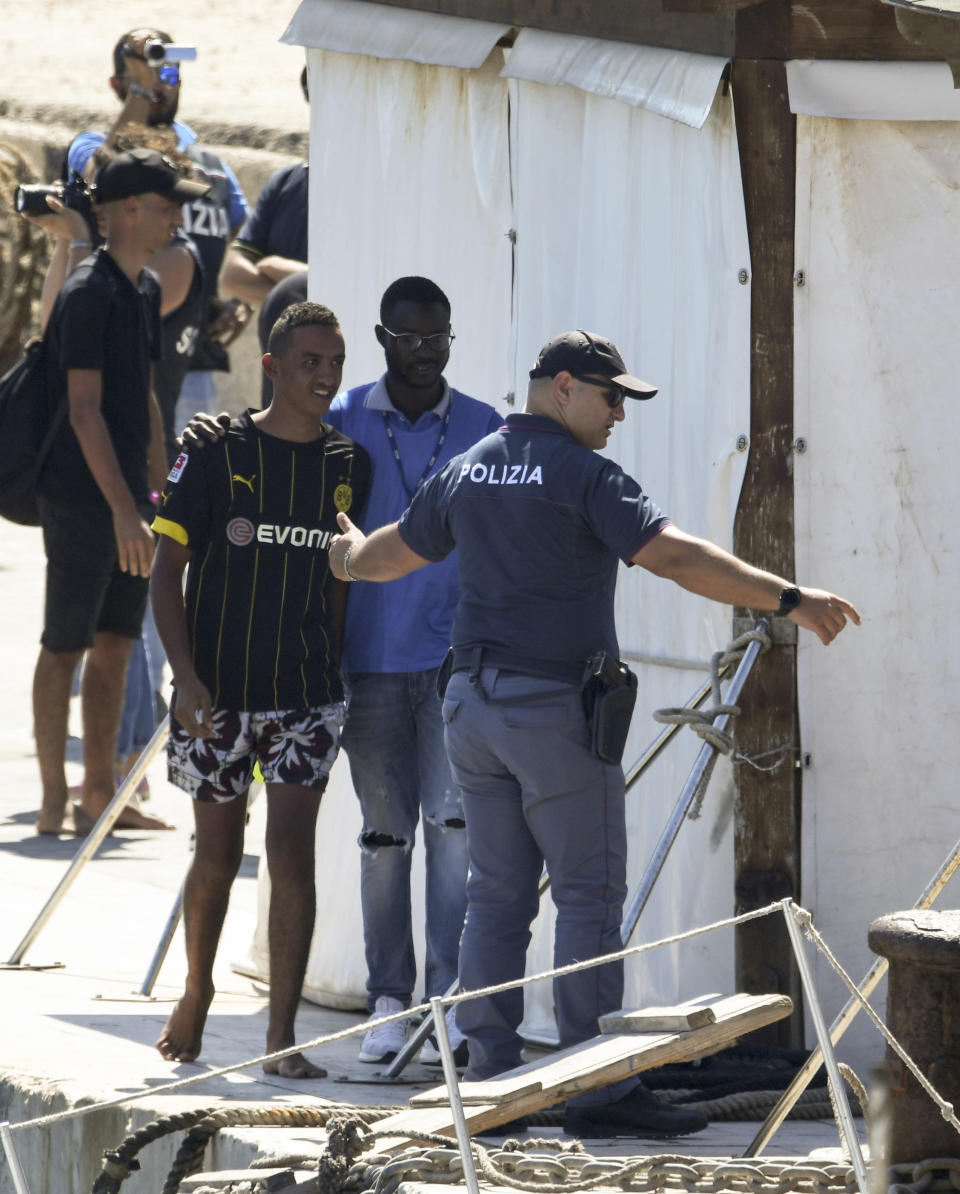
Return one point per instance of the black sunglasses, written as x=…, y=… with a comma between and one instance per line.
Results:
x=615, y=395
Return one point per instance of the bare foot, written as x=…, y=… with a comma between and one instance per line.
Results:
x=130, y=818
x=294, y=1066
x=183, y=1032
x=49, y=822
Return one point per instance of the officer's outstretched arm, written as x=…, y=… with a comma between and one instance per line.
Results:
x=704, y=568
x=380, y=556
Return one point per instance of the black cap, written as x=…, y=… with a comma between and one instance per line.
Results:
x=583, y=353
x=143, y=172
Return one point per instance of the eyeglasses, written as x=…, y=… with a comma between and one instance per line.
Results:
x=614, y=394
x=438, y=342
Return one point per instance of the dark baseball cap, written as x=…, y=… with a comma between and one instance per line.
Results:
x=143, y=172
x=582, y=353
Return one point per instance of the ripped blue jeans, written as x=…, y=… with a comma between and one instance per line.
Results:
x=393, y=738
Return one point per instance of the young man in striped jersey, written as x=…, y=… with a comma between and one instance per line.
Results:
x=254, y=645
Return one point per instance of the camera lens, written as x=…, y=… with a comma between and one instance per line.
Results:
x=154, y=51
x=30, y=199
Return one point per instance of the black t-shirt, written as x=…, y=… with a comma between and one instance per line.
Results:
x=258, y=514
x=277, y=226
x=181, y=328
x=100, y=320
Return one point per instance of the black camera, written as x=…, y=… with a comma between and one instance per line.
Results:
x=30, y=199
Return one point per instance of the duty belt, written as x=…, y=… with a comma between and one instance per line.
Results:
x=471, y=659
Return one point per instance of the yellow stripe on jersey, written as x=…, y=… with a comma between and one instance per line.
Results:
x=173, y=530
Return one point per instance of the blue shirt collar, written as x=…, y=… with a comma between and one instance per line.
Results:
x=378, y=398
x=185, y=134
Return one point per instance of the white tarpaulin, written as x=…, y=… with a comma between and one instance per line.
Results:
x=669, y=82
x=873, y=90
x=620, y=221
x=382, y=31
x=633, y=225
x=877, y=367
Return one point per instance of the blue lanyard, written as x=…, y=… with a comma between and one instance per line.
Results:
x=433, y=459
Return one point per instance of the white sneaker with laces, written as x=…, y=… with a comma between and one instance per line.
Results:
x=430, y=1051
x=384, y=1041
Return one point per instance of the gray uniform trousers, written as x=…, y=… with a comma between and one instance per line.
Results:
x=534, y=793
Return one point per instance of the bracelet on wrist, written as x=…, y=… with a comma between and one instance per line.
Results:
x=136, y=89
x=346, y=564
x=79, y=243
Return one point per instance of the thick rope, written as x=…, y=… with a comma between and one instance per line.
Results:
x=701, y=720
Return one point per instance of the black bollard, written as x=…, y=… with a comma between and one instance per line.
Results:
x=923, y=1013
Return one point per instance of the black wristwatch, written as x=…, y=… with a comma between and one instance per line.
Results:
x=789, y=599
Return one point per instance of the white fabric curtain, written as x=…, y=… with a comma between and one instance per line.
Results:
x=671, y=83
x=409, y=175
x=633, y=225
x=877, y=363
x=873, y=90
x=383, y=31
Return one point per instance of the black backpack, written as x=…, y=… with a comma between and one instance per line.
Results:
x=27, y=432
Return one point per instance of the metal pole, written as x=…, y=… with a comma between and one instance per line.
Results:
x=840, y=1102
x=453, y=1089
x=16, y=1171
x=699, y=774
x=848, y=1013
x=163, y=946
x=665, y=736
x=96, y=835
x=649, y=756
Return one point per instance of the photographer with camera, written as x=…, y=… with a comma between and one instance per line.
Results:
x=103, y=332
x=540, y=521
x=146, y=79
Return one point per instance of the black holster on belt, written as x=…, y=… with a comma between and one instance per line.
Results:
x=444, y=672
x=609, y=693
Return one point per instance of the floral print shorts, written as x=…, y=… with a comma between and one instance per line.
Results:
x=292, y=747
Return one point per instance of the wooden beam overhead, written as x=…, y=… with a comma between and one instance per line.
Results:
x=854, y=29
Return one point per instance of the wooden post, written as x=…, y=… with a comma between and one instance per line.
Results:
x=767, y=821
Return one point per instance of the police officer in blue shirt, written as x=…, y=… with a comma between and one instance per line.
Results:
x=540, y=522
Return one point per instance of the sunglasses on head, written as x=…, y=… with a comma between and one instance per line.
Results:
x=614, y=394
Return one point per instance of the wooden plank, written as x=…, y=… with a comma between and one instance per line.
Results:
x=657, y=1019
x=767, y=804
x=493, y=1090
x=585, y=1067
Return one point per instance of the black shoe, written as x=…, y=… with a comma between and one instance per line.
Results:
x=638, y=1113
x=430, y=1053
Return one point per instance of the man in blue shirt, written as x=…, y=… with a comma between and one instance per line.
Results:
x=412, y=423
x=540, y=523
x=151, y=95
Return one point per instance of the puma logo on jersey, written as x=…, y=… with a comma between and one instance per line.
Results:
x=244, y=480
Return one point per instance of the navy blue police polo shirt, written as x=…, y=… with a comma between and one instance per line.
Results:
x=540, y=523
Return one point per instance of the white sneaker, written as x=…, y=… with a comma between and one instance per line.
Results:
x=430, y=1052
x=384, y=1041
